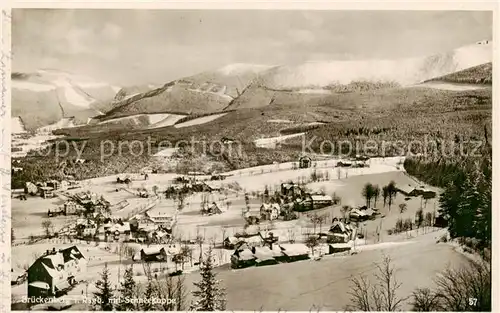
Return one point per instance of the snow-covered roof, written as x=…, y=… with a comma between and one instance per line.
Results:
x=152, y=250
x=407, y=188
x=263, y=253
x=294, y=249
x=246, y=255
x=321, y=198
x=40, y=285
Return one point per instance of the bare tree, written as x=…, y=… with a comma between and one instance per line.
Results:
x=380, y=296
x=425, y=300
x=312, y=241
x=47, y=227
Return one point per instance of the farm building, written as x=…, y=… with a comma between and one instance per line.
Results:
x=338, y=247
x=263, y=256
x=408, y=190
x=242, y=258
x=295, y=252
x=152, y=254
x=305, y=162
x=269, y=211
x=55, y=272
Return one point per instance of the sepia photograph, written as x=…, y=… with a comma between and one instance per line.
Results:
x=251, y=159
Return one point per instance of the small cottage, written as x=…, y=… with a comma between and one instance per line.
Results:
x=153, y=254
x=295, y=252
x=305, y=162
x=242, y=258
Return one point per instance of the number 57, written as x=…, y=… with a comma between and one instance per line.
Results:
x=473, y=301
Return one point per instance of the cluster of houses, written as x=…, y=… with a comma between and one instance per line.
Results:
x=412, y=191
x=48, y=189
x=158, y=253
x=362, y=213
x=56, y=272
x=259, y=249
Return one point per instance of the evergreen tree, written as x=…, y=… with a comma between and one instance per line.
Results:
x=385, y=194
x=149, y=294
x=104, y=294
x=376, y=194
x=127, y=291
x=368, y=193
x=210, y=296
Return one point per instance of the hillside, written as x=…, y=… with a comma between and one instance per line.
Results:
x=46, y=96
x=205, y=92
x=401, y=71
x=481, y=74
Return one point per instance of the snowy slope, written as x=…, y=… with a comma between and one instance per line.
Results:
x=45, y=97
x=17, y=126
x=402, y=71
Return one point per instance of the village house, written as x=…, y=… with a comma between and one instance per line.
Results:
x=242, y=258
x=230, y=242
x=295, y=252
x=408, y=190
x=305, y=162
x=119, y=231
x=46, y=192
x=338, y=247
x=54, y=184
x=211, y=209
x=270, y=211
x=311, y=202
x=344, y=163
x=263, y=256
x=17, y=277
x=339, y=232
x=71, y=207
x=55, y=272
x=161, y=220
x=153, y=254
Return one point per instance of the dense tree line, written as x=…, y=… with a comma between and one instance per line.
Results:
x=466, y=199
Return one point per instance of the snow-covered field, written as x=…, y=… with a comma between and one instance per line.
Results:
x=450, y=86
x=200, y=120
x=273, y=141
x=325, y=274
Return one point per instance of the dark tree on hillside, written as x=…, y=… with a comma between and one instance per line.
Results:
x=149, y=293
x=210, y=296
x=385, y=194
x=391, y=193
x=368, y=193
x=376, y=194
x=127, y=290
x=104, y=292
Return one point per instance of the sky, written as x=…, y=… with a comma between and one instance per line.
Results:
x=128, y=47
